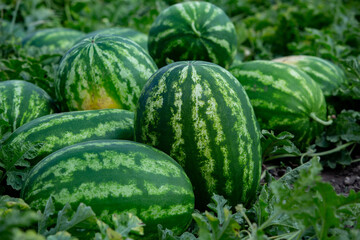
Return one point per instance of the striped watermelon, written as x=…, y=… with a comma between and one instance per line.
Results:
x=193, y=31
x=200, y=115
x=328, y=75
x=59, y=130
x=284, y=98
x=114, y=176
x=22, y=102
x=103, y=72
x=138, y=37
x=57, y=40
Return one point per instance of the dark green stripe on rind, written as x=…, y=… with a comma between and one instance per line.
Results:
x=199, y=114
x=138, y=37
x=325, y=73
x=114, y=176
x=193, y=31
x=283, y=98
x=56, y=131
x=22, y=102
x=103, y=72
x=54, y=38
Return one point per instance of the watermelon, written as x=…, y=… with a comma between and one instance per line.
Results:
x=200, y=115
x=55, y=40
x=59, y=130
x=328, y=75
x=21, y=102
x=115, y=176
x=192, y=31
x=103, y=71
x=284, y=98
x=138, y=37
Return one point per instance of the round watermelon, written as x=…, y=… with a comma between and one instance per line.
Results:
x=115, y=176
x=103, y=72
x=200, y=115
x=193, y=31
x=21, y=102
x=284, y=99
x=328, y=75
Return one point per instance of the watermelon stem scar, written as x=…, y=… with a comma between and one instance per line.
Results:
x=325, y=123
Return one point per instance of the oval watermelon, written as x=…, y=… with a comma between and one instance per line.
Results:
x=103, y=72
x=284, y=98
x=115, y=176
x=59, y=130
x=328, y=75
x=193, y=31
x=200, y=115
x=22, y=102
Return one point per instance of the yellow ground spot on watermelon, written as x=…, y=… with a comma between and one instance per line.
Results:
x=157, y=211
x=95, y=190
x=164, y=189
x=99, y=101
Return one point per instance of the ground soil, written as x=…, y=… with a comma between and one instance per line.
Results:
x=342, y=178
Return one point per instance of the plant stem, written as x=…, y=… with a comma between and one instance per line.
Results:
x=280, y=156
x=338, y=148
x=317, y=119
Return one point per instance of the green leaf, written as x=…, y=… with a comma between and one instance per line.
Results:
x=277, y=146
x=124, y=225
x=15, y=215
x=67, y=219
x=15, y=164
x=314, y=205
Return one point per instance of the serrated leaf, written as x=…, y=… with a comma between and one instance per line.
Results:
x=67, y=219
x=274, y=146
x=15, y=164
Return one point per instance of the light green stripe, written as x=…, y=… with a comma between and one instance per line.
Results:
x=201, y=132
x=158, y=212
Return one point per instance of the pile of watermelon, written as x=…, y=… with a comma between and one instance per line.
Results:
x=156, y=124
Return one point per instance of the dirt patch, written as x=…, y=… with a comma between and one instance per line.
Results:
x=342, y=178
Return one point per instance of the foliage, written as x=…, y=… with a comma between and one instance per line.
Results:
x=297, y=206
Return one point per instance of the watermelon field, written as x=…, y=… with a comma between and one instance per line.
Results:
x=179, y=120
